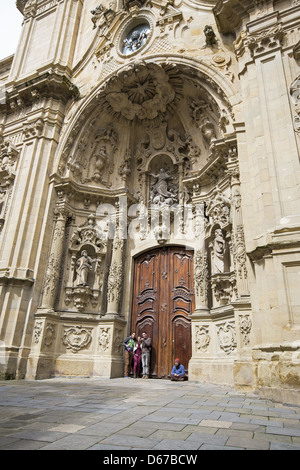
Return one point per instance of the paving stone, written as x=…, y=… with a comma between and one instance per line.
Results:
x=283, y=431
x=249, y=444
x=102, y=429
x=46, y=436
x=67, y=428
x=215, y=424
x=111, y=448
x=213, y=447
x=24, y=444
x=200, y=439
x=200, y=429
x=170, y=444
x=4, y=441
x=281, y=446
x=177, y=435
x=130, y=441
x=73, y=442
x=185, y=420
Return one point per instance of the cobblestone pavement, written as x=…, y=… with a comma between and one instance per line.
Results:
x=100, y=414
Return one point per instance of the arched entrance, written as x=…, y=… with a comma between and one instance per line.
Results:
x=163, y=301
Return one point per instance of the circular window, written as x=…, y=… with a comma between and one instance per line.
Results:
x=136, y=39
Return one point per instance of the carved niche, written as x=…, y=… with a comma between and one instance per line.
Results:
x=94, y=163
x=219, y=245
x=87, y=251
x=163, y=183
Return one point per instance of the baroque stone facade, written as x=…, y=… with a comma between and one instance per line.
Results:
x=131, y=125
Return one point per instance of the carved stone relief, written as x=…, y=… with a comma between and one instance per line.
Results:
x=95, y=166
x=140, y=91
x=117, y=343
x=77, y=338
x=102, y=18
x=8, y=163
x=245, y=328
x=50, y=333
x=202, y=338
x=38, y=328
x=104, y=339
x=227, y=337
x=261, y=42
x=162, y=189
x=295, y=94
x=201, y=274
x=218, y=208
x=224, y=288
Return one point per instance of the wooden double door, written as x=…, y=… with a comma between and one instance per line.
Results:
x=163, y=301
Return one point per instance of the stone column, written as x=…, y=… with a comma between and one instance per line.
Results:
x=238, y=238
x=201, y=279
x=53, y=269
x=115, y=279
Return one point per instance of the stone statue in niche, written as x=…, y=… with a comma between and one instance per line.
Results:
x=83, y=266
x=218, y=252
x=101, y=158
x=162, y=192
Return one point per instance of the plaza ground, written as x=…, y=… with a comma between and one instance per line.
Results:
x=126, y=414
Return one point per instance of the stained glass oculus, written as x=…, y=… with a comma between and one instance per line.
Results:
x=136, y=39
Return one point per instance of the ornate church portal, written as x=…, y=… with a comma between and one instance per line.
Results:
x=149, y=181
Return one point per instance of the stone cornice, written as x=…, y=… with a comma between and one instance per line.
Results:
x=230, y=13
x=21, y=5
x=49, y=84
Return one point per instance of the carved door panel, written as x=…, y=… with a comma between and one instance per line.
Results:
x=163, y=301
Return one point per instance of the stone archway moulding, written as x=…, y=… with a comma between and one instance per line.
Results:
x=211, y=78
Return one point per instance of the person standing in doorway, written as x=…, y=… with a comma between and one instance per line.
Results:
x=128, y=343
x=137, y=358
x=146, y=350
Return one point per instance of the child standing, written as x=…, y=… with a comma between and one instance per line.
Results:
x=137, y=358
